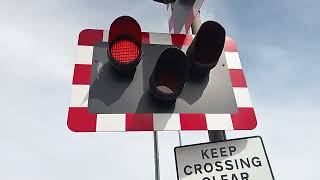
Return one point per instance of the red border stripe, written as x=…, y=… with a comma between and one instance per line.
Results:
x=230, y=45
x=244, y=119
x=145, y=38
x=82, y=74
x=90, y=37
x=237, y=78
x=193, y=122
x=139, y=122
x=181, y=39
x=81, y=120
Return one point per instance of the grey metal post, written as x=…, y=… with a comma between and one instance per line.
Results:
x=180, y=138
x=217, y=135
x=196, y=24
x=156, y=155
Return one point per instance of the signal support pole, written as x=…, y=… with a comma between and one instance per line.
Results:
x=156, y=156
x=214, y=135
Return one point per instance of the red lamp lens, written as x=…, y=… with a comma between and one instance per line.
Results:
x=125, y=51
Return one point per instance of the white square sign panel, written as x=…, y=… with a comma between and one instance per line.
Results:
x=238, y=159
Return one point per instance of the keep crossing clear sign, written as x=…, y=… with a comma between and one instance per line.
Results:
x=238, y=159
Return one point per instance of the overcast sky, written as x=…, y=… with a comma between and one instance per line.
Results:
x=278, y=43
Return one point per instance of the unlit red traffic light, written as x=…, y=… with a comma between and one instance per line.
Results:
x=169, y=75
x=206, y=48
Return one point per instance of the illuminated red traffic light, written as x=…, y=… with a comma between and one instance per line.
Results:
x=125, y=51
x=125, y=43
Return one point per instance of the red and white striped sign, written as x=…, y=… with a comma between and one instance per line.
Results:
x=188, y=20
x=81, y=120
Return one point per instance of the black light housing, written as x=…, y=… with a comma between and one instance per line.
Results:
x=169, y=75
x=207, y=46
x=125, y=40
x=165, y=1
